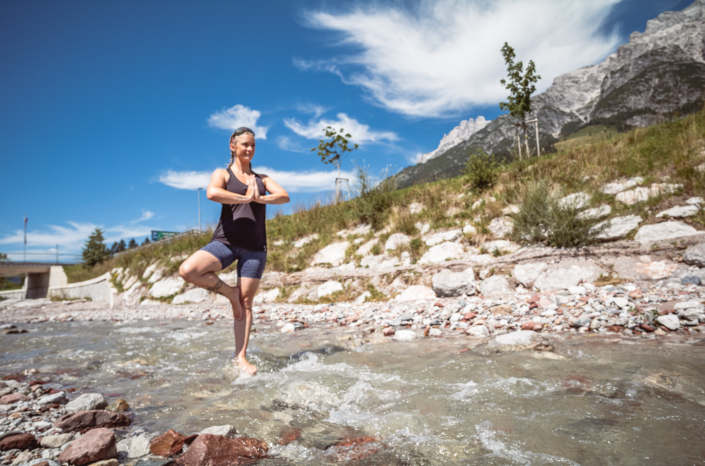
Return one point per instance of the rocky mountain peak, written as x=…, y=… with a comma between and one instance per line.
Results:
x=460, y=133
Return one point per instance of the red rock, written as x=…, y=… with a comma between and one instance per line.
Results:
x=388, y=332
x=216, y=450
x=17, y=377
x=43, y=463
x=470, y=315
x=38, y=382
x=351, y=319
x=439, y=304
x=189, y=440
x=535, y=298
x=646, y=327
x=13, y=398
x=426, y=330
x=96, y=445
x=636, y=294
x=544, y=302
x=353, y=449
x=19, y=442
x=85, y=420
x=533, y=306
x=288, y=435
x=167, y=444
x=614, y=328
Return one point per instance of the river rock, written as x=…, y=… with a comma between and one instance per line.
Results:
x=166, y=287
x=18, y=442
x=168, y=444
x=564, y=276
x=598, y=212
x=619, y=186
x=133, y=447
x=224, y=431
x=95, y=445
x=333, y=254
x=288, y=328
x=501, y=227
x=526, y=274
x=669, y=321
x=329, y=287
x=494, y=286
x=695, y=255
x=111, y=462
x=518, y=341
x=617, y=227
x=664, y=231
x=268, y=296
x=86, y=402
x=13, y=398
x=194, y=295
x=404, y=335
x=83, y=420
x=56, y=441
x=214, y=450
x=575, y=201
x=449, y=283
x=416, y=292
x=441, y=237
x=680, y=211
x=441, y=253
x=118, y=406
x=366, y=248
x=478, y=331
x=53, y=398
x=395, y=241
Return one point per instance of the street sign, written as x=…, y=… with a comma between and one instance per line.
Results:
x=160, y=235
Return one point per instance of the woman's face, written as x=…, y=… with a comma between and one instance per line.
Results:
x=244, y=147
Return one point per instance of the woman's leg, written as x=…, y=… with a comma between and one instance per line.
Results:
x=200, y=269
x=248, y=288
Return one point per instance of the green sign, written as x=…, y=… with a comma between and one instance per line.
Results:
x=160, y=235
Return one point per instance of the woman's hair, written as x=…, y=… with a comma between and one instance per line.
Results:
x=236, y=133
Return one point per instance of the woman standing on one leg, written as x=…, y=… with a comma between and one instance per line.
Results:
x=240, y=235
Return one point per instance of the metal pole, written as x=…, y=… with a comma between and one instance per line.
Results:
x=57, y=253
x=199, y=209
x=538, y=145
x=24, y=254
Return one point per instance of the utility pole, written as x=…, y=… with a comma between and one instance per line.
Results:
x=24, y=253
x=199, y=209
x=57, y=253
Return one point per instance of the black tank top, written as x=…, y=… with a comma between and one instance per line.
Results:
x=243, y=225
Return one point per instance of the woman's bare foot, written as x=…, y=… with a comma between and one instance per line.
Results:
x=234, y=298
x=245, y=366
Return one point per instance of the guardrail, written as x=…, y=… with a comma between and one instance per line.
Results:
x=160, y=242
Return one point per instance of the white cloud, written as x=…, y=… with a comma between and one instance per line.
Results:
x=285, y=143
x=316, y=110
x=186, y=180
x=146, y=215
x=361, y=133
x=238, y=115
x=444, y=56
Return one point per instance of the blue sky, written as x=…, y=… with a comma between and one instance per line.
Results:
x=112, y=113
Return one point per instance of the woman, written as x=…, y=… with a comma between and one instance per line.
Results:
x=240, y=235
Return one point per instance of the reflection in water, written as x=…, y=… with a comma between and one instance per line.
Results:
x=594, y=401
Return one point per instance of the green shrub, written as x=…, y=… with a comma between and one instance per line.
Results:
x=374, y=199
x=415, y=244
x=481, y=170
x=542, y=219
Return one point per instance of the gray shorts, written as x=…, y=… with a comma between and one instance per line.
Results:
x=250, y=264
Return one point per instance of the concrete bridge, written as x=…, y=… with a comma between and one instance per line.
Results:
x=39, y=277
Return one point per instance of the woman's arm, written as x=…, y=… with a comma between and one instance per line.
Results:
x=278, y=194
x=217, y=190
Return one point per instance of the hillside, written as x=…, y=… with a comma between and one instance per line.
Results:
x=658, y=74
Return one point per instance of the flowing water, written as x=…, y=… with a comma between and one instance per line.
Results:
x=593, y=401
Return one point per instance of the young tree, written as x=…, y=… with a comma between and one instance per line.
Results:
x=520, y=86
x=146, y=241
x=132, y=244
x=95, y=251
x=334, y=149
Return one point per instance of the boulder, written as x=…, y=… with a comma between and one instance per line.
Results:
x=52, y=398
x=56, y=441
x=329, y=287
x=84, y=420
x=168, y=444
x=618, y=227
x=441, y=253
x=519, y=341
x=214, y=450
x=526, y=274
x=563, y=277
x=13, y=398
x=379, y=261
x=619, y=186
x=86, y=402
x=133, y=447
x=363, y=297
x=478, y=331
x=494, y=286
x=698, y=201
x=157, y=275
x=680, y=211
x=643, y=194
x=395, y=241
x=598, y=212
x=96, y=445
x=501, y=245
x=664, y=231
x=268, y=296
x=501, y=227
x=149, y=270
x=166, y=287
x=366, y=248
x=333, y=254
x=695, y=255
x=575, y=201
x=195, y=295
x=437, y=238
x=643, y=268
x=416, y=292
x=449, y=283
x=670, y=321
x=18, y=442
x=404, y=335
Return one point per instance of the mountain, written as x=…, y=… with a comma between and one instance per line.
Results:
x=659, y=73
x=459, y=134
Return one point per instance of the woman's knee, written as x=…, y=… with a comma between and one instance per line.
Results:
x=187, y=271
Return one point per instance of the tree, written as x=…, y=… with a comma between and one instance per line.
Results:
x=334, y=149
x=520, y=86
x=113, y=248
x=3, y=257
x=121, y=247
x=146, y=241
x=132, y=244
x=95, y=251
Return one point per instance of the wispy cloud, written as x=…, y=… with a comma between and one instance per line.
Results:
x=236, y=116
x=285, y=143
x=361, y=133
x=316, y=110
x=444, y=56
x=186, y=180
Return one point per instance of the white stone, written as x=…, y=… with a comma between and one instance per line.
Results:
x=619, y=186
x=404, y=335
x=643, y=194
x=268, y=296
x=460, y=133
x=598, y=212
x=367, y=247
x=134, y=447
x=478, y=331
x=435, y=332
x=669, y=321
x=494, y=286
x=416, y=292
x=54, y=398
x=396, y=240
x=415, y=208
x=501, y=245
x=131, y=280
x=230, y=278
x=441, y=237
x=363, y=297
x=449, y=283
x=157, y=275
x=501, y=227
x=516, y=341
x=695, y=255
x=563, y=277
x=680, y=211
x=305, y=240
x=333, y=254
x=86, y=402
x=618, y=227
x=55, y=441
x=422, y=227
x=362, y=229
x=664, y=231
x=441, y=253
x=152, y=302
x=482, y=259
x=379, y=261
x=469, y=230
x=224, y=431
x=288, y=328
x=149, y=270
x=576, y=201
x=695, y=201
x=194, y=295
x=329, y=287
x=510, y=209
x=166, y=287
x=526, y=274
